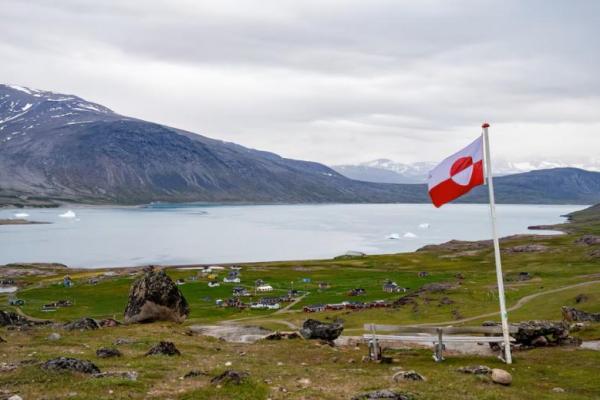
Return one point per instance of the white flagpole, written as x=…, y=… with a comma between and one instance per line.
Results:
x=490, y=182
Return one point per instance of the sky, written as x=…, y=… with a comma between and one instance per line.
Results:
x=337, y=82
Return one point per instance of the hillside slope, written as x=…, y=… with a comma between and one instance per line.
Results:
x=56, y=148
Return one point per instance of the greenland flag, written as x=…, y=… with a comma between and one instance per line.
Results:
x=457, y=174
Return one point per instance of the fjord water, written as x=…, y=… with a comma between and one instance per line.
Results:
x=187, y=234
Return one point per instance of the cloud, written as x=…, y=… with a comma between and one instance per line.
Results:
x=331, y=81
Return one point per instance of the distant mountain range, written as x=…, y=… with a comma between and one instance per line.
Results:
x=388, y=171
x=61, y=148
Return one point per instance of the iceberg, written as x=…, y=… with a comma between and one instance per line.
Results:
x=410, y=235
x=394, y=236
x=68, y=214
x=424, y=225
x=21, y=215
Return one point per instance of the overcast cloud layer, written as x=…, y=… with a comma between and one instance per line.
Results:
x=330, y=81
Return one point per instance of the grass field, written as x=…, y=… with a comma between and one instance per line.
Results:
x=333, y=372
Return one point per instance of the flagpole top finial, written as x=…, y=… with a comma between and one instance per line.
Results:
x=485, y=125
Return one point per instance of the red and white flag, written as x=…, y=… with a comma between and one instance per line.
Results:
x=457, y=174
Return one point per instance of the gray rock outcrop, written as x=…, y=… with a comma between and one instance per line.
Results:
x=71, y=364
x=313, y=329
x=82, y=324
x=574, y=315
x=155, y=297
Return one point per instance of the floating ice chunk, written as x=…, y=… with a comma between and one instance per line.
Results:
x=21, y=215
x=410, y=235
x=394, y=236
x=68, y=214
x=424, y=225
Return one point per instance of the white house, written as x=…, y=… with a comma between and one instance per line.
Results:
x=230, y=279
x=264, y=288
x=213, y=284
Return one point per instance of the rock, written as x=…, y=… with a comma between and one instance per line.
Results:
x=106, y=352
x=15, y=397
x=595, y=253
x=555, y=332
x=588, y=240
x=476, y=370
x=2, y=340
x=501, y=377
x=127, y=375
x=109, y=323
x=282, y=335
x=527, y=248
x=229, y=376
x=82, y=324
x=165, y=348
x=122, y=341
x=407, y=376
x=313, y=329
x=558, y=390
x=71, y=364
x=7, y=367
x=9, y=318
x=54, y=336
x=573, y=315
x=155, y=297
x=194, y=373
x=304, y=382
x=581, y=298
x=384, y=394
x=539, y=341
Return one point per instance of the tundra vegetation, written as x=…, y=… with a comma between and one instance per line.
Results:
x=543, y=274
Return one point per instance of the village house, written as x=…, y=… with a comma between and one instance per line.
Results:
x=423, y=274
x=392, y=287
x=232, y=277
x=179, y=282
x=314, y=308
x=234, y=302
x=264, y=288
x=236, y=267
x=324, y=285
x=240, y=291
x=293, y=293
x=213, y=284
x=259, y=282
x=357, y=292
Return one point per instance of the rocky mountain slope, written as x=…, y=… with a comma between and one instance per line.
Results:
x=56, y=147
x=62, y=147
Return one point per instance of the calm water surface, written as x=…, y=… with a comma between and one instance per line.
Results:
x=106, y=237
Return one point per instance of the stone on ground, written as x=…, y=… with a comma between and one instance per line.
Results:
x=82, y=324
x=54, y=336
x=401, y=376
x=127, y=375
x=71, y=364
x=573, y=315
x=384, y=394
x=501, y=377
x=229, y=376
x=107, y=352
x=164, y=348
x=476, y=370
x=155, y=297
x=313, y=329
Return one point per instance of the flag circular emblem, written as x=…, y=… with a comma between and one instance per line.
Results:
x=462, y=170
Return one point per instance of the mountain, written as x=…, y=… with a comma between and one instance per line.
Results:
x=388, y=171
x=61, y=147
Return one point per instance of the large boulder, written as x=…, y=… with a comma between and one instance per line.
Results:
x=155, y=297
x=501, y=377
x=313, y=329
x=384, y=394
x=165, y=349
x=573, y=315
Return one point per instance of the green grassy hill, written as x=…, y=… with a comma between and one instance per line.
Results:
x=561, y=271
